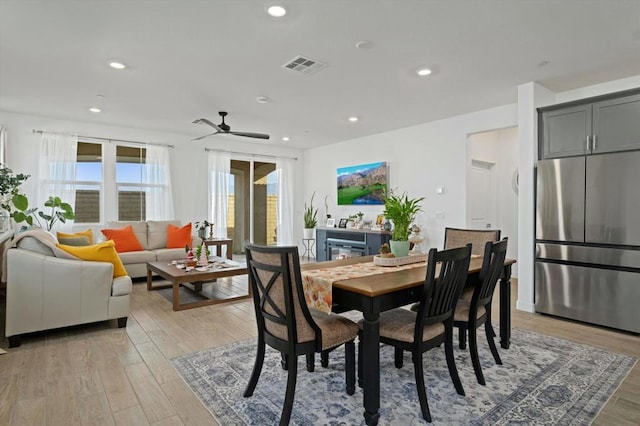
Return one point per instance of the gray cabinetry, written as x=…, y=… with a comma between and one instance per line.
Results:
x=599, y=125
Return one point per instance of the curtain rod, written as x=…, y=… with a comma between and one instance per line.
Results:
x=107, y=139
x=248, y=154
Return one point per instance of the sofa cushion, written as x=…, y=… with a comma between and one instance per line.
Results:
x=35, y=245
x=102, y=252
x=74, y=241
x=131, y=257
x=170, y=254
x=139, y=228
x=157, y=231
x=88, y=234
x=121, y=286
x=124, y=238
x=178, y=237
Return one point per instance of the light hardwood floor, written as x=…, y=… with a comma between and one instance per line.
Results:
x=100, y=375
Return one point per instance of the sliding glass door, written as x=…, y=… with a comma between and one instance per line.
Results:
x=252, y=203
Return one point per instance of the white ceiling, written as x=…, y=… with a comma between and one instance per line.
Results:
x=189, y=59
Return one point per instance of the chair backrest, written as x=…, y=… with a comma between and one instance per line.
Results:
x=441, y=293
x=455, y=237
x=276, y=284
x=492, y=264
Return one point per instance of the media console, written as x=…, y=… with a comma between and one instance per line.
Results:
x=338, y=243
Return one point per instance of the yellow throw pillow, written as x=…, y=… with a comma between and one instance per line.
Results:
x=102, y=252
x=88, y=233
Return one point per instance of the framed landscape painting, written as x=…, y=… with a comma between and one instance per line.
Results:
x=362, y=184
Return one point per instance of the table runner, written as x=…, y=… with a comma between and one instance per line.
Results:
x=317, y=283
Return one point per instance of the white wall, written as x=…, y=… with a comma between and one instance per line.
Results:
x=188, y=158
x=420, y=159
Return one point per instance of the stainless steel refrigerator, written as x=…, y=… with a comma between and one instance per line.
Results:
x=588, y=239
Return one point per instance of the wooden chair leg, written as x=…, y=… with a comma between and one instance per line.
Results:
x=284, y=361
x=422, y=393
x=311, y=361
x=451, y=363
x=324, y=358
x=462, y=337
x=473, y=350
x=360, y=361
x=398, y=357
x=350, y=366
x=488, y=329
x=291, y=390
x=257, y=369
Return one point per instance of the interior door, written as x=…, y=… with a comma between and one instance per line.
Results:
x=481, y=198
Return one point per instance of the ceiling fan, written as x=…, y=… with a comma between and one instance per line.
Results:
x=225, y=129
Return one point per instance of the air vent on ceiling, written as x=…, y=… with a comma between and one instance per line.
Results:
x=304, y=65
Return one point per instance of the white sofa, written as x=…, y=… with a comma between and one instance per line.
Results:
x=152, y=236
x=46, y=292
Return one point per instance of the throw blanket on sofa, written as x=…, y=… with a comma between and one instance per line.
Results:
x=34, y=239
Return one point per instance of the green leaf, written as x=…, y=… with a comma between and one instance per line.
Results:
x=20, y=202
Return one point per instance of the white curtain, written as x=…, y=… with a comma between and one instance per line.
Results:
x=285, y=173
x=219, y=173
x=3, y=145
x=156, y=178
x=57, y=171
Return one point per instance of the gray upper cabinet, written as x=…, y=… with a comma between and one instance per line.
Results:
x=605, y=124
x=565, y=131
x=616, y=125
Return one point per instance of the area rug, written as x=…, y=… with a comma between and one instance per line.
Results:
x=543, y=380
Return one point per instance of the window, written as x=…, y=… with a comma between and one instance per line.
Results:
x=129, y=178
x=119, y=182
x=88, y=182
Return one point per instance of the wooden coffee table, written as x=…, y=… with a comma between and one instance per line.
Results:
x=178, y=277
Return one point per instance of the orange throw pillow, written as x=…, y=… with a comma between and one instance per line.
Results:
x=102, y=252
x=179, y=237
x=124, y=238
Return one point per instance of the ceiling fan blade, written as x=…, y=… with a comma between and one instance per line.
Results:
x=207, y=122
x=205, y=136
x=250, y=135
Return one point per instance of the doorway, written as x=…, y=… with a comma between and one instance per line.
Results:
x=482, y=196
x=252, y=203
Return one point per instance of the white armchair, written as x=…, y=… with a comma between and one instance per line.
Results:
x=46, y=292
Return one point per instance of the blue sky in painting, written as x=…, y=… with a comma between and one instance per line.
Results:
x=359, y=168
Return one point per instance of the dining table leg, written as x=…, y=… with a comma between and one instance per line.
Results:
x=371, y=366
x=505, y=308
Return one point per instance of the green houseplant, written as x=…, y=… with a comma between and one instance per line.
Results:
x=59, y=211
x=401, y=210
x=310, y=218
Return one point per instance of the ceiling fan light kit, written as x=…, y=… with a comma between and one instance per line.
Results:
x=224, y=128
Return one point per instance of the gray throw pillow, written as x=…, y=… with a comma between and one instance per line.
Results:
x=74, y=241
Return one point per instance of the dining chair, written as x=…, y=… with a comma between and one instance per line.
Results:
x=432, y=324
x=471, y=314
x=457, y=237
x=286, y=324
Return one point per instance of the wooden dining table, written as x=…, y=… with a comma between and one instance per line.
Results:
x=374, y=294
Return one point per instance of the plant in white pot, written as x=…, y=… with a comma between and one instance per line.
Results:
x=310, y=219
x=401, y=210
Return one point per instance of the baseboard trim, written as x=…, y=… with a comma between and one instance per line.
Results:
x=525, y=306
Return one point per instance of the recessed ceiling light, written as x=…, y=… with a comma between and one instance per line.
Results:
x=353, y=119
x=95, y=110
x=423, y=72
x=117, y=65
x=262, y=100
x=276, y=11
x=285, y=138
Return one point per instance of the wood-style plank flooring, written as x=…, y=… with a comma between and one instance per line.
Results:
x=98, y=374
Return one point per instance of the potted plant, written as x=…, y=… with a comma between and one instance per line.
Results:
x=9, y=187
x=401, y=210
x=310, y=218
x=201, y=227
x=60, y=211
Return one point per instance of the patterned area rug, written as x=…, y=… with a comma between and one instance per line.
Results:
x=543, y=380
